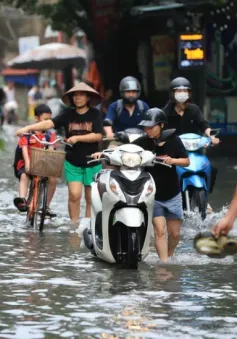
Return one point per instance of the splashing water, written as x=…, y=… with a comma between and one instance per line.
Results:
x=53, y=288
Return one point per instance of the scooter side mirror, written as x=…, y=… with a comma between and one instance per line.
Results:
x=166, y=134
x=122, y=137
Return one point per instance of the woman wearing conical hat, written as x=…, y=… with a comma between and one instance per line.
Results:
x=83, y=127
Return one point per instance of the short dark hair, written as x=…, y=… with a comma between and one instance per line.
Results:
x=41, y=109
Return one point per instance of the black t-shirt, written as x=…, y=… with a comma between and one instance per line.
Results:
x=166, y=179
x=80, y=124
x=192, y=121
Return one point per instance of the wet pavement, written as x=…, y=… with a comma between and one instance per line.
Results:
x=52, y=288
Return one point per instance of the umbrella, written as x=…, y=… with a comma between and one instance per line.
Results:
x=50, y=56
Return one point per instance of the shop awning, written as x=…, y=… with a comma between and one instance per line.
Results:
x=17, y=72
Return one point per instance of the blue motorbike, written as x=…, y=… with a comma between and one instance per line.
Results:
x=195, y=180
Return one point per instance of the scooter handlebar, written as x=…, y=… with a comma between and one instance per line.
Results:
x=91, y=159
x=161, y=162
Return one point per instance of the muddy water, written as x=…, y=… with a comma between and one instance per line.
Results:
x=52, y=288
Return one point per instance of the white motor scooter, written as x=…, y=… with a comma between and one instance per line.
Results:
x=122, y=207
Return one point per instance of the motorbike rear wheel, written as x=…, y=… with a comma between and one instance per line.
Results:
x=199, y=200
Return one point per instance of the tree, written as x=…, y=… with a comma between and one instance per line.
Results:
x=68, y=15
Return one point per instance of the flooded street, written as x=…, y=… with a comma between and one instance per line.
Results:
x=52, y=288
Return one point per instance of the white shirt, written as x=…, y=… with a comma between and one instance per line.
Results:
x=10, y=94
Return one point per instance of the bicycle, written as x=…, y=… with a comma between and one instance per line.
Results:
x=44, y=164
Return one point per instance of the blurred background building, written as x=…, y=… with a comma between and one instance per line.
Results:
x=151, y=40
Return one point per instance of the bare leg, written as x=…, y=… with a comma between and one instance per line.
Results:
x=51, y=189
x=23, y=186
x=74, y=190
x=159, y=224
x=173, y=226
x=88, y=201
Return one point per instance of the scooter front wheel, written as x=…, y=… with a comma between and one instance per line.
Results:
x=132, y=257
x=199, y=201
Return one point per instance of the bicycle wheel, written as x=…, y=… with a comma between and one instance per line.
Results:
x=30, y=211
x=41, y=205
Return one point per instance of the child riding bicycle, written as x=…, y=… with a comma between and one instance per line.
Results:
x=22, y=161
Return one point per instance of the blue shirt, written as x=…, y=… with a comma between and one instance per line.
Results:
x=124, y=120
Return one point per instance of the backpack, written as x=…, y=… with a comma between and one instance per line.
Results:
x=120, y=107
x=18, y=152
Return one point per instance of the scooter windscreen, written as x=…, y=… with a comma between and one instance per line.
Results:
x=193, y=142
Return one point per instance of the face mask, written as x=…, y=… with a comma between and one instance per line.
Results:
x=181, y=96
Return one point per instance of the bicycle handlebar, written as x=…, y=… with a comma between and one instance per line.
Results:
x=46, y=143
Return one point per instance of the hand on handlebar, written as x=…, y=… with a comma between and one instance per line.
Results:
x=23, y=130
x=72, y=140
x=96, y=155
x=215, y=141
x=168, y=161
x=110, y=136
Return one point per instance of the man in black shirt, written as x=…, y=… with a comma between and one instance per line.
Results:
x=186, y=117
x=168, y=209
x=83, y=126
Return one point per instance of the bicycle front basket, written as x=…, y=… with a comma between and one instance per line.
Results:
x=46, y=163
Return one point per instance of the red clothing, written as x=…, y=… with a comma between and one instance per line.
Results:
x=31, y=142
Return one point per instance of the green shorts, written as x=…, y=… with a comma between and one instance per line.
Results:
x=80, y=174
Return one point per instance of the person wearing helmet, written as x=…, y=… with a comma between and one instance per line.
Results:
x=168, y=211
x=187, y=117
x=126, y=112
x=183, y=115
x=83, y=128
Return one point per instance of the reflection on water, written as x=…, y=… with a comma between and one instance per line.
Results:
x=51, y=287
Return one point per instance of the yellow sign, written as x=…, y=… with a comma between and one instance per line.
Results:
x=192, y=37
x=194, y=54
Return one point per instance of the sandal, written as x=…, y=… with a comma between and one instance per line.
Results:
x=228, y=245
x=21, y=204
x=206, y=243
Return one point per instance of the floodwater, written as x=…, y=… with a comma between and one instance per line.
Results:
x=52, y=288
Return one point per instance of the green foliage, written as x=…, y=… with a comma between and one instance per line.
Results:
x=64, y=16
x=67, y=14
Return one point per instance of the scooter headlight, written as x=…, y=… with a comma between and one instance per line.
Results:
x=149, y=189
x=131, y=159
x=114, y=187
x=192, y=144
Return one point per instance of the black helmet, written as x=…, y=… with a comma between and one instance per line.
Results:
x=180, y=83
x=154, y=116
x=129, y=84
